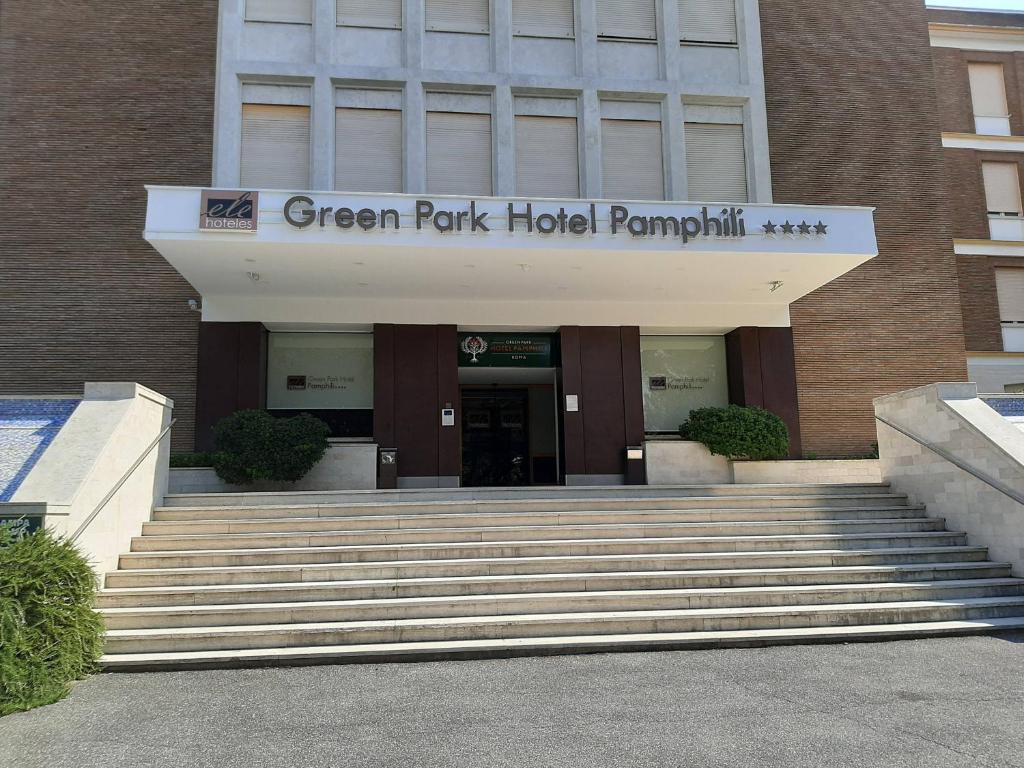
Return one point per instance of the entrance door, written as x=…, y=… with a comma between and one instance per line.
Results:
x=495, y=437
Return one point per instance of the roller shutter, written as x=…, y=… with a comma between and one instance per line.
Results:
x=275, y=147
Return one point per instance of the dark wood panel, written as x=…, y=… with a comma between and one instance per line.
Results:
x=632, y=386
x=384, y=385
x=573, y=444
x=449, y=458
x=416, y=416
x=602, y=402
x=778, y=381
x=231, y=374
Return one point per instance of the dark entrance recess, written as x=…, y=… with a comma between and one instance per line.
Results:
x=495, y=437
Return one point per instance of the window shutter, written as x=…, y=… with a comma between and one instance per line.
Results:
x=707, y=21
x=292, y=11
x=368, y=150
x=458, y=16
x=632, y=19
x=458, y=153
x=547, y=157
x=384, y=14
x=716, y=167
x=988, y=91
x=275, y=147
x=1002, y=188
x=1010, y=289
x=631, y=160
x=543, y=18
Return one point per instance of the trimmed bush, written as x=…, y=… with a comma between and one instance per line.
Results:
x=738, y=433
x=49, y=633
x=191, y=460
x=253, y=445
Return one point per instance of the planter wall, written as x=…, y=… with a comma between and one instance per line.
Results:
x=345, y=467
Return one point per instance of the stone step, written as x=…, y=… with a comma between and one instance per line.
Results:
x=381, y=553
x=500, y=648
x=543, y=494
x=374, y=589
x=813, y=497
x=223, y=541
x=506, y=627
x=496, y=519
x=551, y=603
x=510, y=565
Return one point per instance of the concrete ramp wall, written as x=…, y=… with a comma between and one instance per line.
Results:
x=947, y=448
x=81, y=471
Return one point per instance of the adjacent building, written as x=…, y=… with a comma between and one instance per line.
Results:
x=506, y=241
x=979, y=66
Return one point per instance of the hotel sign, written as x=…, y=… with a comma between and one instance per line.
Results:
x=689, y=223
x=507, y=350
x=229, y=211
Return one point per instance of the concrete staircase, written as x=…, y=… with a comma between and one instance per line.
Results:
x=254, y=579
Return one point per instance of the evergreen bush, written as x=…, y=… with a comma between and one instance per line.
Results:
x=49, y=633
x=253, y=445
x=737, y=432
x=191, y=459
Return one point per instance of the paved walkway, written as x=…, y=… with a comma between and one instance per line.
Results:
x=951, y=702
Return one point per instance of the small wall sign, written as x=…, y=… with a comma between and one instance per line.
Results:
x=229, y=211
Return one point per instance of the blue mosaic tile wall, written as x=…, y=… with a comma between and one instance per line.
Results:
x=1006, y=406
x=27, y=427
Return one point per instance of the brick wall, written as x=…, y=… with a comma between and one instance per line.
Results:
x=965, y=185
x=852, y=120
x=99, y=99
x=953, y=87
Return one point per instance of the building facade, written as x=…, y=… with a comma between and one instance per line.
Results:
x=979, y=65
x=506, y=241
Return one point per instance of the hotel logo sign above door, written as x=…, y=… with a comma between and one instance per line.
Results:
x=229, y=211
x=505, y=350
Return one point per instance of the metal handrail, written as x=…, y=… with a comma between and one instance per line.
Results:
x=122, y=481
x=943, y=453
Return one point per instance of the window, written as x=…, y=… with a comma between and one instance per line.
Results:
x=547, y=156
x=707, y=21
x=458, y=153
x=1002, y=188
x=627, y=19
x=368, y=141
x=286, y=11
x=680, y=374
x=275, y=146
x=328, y=374
x=988, y=95
x=1010, y=289
x=383, y=14
x=1014, y=389
x=543, y=18
x=458, y=16
x=716, y=168
x=631, y=159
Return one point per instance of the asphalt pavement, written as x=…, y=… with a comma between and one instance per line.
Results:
x=935, y=703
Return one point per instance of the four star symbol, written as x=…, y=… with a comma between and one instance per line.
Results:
x=790, y=229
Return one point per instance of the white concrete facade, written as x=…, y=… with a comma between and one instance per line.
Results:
x=310, y=62
x=959, y=429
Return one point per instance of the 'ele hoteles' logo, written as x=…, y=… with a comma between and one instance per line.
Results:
x=473, y=346
x=229, y=211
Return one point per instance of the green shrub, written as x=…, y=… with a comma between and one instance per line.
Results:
x=191, y=459
x=738, y=433
x=253, y=445
x=49, y=633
